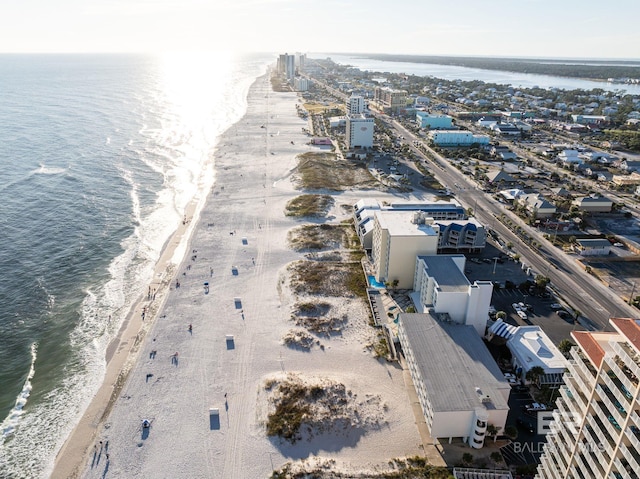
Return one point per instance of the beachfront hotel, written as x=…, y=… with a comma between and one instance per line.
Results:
x=459, y=385
x=441, y=287
x=442, y=212
x=398, y=237
x=596, y=427
x=359, y=131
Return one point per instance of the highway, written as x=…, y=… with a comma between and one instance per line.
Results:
x=595, y=302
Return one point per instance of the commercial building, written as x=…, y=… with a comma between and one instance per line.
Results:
x=457, y=138
x=593, y=247
x=441, y=287
x=530, y=347
x=433, y=122
x=459, y=385
x=596, y=427
x=355, y=105
x=398, y=237
x=389, y=100
x=593, y=204
x=359, y=131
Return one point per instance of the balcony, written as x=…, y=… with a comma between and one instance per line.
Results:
x=614, y=409
x=629, y=367
x=584, y=365
x=606, y=419
x=616, y=390
x=631, y=457
x=599, y=431
x=582, y=465
x=633, y=434
x=622, y=377
x=603, y=427
x=578, y=380
x=621, y=469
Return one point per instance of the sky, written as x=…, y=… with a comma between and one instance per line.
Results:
x=513, y=28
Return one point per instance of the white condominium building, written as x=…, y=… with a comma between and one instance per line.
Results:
x=398, y=237
x=359, y=131
x=596, y=428
x=460, y=387
x=441, y=286
x=355, y=105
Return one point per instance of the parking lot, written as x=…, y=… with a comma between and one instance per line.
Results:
x=528, y=445
x=484, y=266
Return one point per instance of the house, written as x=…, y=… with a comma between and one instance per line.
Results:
x=593, y=247
x=497, y=176
x=568, y=157
x=506, y=129
x=630, y=165
x=537, y=205
x=460, y=387
x=625, y=180
x=512, y=194
x=503, y=152
x=604, y=176
x=593, y=204
x=530, y=346
x=560, y=192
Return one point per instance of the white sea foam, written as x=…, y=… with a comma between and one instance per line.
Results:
x=10, y=423
x=48, y=170
x=182, y=154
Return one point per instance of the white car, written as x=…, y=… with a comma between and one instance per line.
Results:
x=522, y=314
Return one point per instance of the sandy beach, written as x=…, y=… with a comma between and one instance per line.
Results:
x=162, y=371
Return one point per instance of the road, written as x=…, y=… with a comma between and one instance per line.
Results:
x=592, y=299
x=595, y=302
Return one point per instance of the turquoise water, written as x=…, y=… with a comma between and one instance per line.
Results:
x=375, y=284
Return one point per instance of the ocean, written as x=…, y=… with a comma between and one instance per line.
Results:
x=99, y=156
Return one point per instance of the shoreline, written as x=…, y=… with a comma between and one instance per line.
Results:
x=120, y=360
x=240, y=249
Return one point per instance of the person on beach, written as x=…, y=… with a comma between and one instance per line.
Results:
x=190, y=329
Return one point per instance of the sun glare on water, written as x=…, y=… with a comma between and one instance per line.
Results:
x=192, y=82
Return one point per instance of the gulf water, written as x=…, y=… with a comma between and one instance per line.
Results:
x=99, y=156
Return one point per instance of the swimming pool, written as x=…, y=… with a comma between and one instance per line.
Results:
x=375, y=284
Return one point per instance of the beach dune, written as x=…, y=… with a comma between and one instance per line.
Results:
x=216, y=335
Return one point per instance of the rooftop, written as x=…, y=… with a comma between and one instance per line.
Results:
x=400, y=223
x=593, y=345
x=534, y=348
x=630, y=329
x=464, y=371
x=446, y=272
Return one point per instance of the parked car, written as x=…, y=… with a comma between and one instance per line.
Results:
x=556, y=306
x=526, y=425
x=522, y=314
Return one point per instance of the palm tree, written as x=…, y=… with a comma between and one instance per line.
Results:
x=565, y=346
x=533, y=374
x=493, y=431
